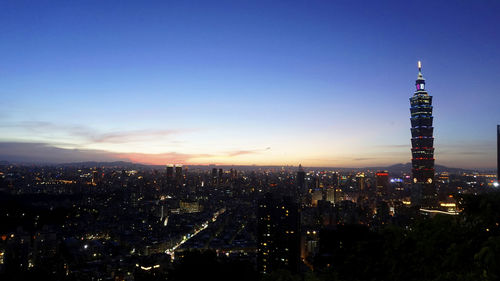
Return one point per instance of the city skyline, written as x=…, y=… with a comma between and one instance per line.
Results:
x=323, y=84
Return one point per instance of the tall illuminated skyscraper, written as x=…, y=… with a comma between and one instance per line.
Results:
x=498, y=153
x=422, y=142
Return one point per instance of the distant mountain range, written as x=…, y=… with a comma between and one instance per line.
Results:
x=394, y=169
x=406, y=168
x=123, y=164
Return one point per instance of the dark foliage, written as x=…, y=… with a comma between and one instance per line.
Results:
x=465, y=247
x=205, y=265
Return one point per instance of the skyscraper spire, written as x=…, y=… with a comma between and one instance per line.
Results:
x=420, y=83
x=422, y=142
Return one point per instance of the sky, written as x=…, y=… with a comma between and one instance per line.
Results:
x=321, y=83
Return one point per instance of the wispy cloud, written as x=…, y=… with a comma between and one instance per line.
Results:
x=161, y=158
x=363, y=159
x=244, y=152
x=46, y=153
x=132, y=136
x=90, y=135
x=174, y=157
x=42, y=126
x=407, y=145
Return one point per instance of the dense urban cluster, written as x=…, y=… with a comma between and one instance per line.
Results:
x=120, y=221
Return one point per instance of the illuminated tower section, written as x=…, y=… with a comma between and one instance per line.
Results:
x=498, y=153
x=422, y=141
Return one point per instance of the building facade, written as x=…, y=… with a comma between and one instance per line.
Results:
x=278, y=234
x=422, y=141
x=301, y=178
x=382, y=182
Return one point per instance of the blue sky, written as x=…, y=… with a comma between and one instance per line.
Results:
x=322, y=83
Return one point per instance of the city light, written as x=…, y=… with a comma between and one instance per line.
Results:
x=249, y=140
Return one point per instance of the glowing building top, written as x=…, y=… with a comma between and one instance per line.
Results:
x=422, y=141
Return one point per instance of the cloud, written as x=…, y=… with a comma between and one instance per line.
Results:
x=161, y=158
x=42, y=126
x=244, y=152
x=363, y=159
x=474, y=153
x=47, y=153
x=132, y=136
x=183, y=158
x=408, y=145
x=90, y=135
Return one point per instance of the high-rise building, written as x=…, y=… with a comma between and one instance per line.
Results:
x=301, y=178
x=382, y=182
x=179, y=178
x=422, y=142
x=221, y=174
x=214, y=176
x=278, y=234
x=316, y=195
x=95, y=176
x=170, y=172
x=360, y=178
x=330, y=195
